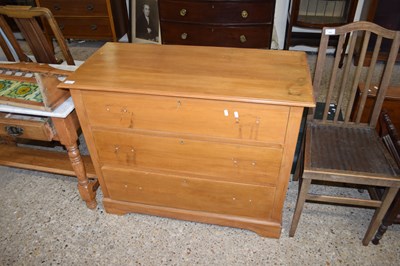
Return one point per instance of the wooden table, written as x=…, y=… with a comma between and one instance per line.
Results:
x=203, y=134
x=66, y=126
x=23, y=120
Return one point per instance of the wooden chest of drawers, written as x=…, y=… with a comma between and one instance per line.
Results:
x=231, y=23
x=89, y=19
x=391, y=104
x=197, y=133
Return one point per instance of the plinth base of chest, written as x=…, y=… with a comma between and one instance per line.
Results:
x=261, y=227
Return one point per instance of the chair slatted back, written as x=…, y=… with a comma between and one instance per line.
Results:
x=26, y=19
x=8, y=38
x=343, y=81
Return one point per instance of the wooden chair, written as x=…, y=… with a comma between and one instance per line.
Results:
x=27, y=20
x=392, y=141
x=337, y=150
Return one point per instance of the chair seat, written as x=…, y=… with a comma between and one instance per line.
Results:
x=348, y=149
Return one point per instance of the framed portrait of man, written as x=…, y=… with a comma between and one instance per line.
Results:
x=145, y=21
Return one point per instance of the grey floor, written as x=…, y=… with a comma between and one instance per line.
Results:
x=43, y=221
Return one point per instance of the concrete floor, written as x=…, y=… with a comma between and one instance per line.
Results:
x=44, y=221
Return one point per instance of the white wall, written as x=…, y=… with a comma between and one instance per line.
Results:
x=280, y=19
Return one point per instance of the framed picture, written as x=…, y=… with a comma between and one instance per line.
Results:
x=145, y=21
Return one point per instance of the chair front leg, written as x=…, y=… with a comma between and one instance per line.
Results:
x=304, y=186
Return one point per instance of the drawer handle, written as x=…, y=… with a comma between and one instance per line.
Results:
x=183, y=12
x=57, y=7
x=243, y=39
x=184, y=36
x=61, y=26
x=90, y=7
x=93, y=27
x=245, y=14
x=14, y=131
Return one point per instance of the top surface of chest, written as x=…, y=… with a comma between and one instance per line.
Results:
x=219, y=73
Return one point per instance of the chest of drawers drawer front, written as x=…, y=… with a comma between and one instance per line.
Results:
x=254, y=36
x=188, y=193
x=76, y=7
x=189, y=116
x=88, y=27
x=224, y=12
x=221, y=161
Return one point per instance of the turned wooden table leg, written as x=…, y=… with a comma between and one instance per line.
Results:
x=67, y=134
x=85, y=187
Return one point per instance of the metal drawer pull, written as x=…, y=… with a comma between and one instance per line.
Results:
x=184, y=36
x=243, y=39
x=14, y=131
x=93, y=27
x=90, y=7
x=57, y=7
x=183, y=12
x=245, y=14
x=61, y=26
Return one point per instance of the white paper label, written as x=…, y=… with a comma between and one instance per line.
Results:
x=226, y=113
x=330, y=31
x=69, y=81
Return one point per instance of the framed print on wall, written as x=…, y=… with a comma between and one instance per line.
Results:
x=145, y=21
